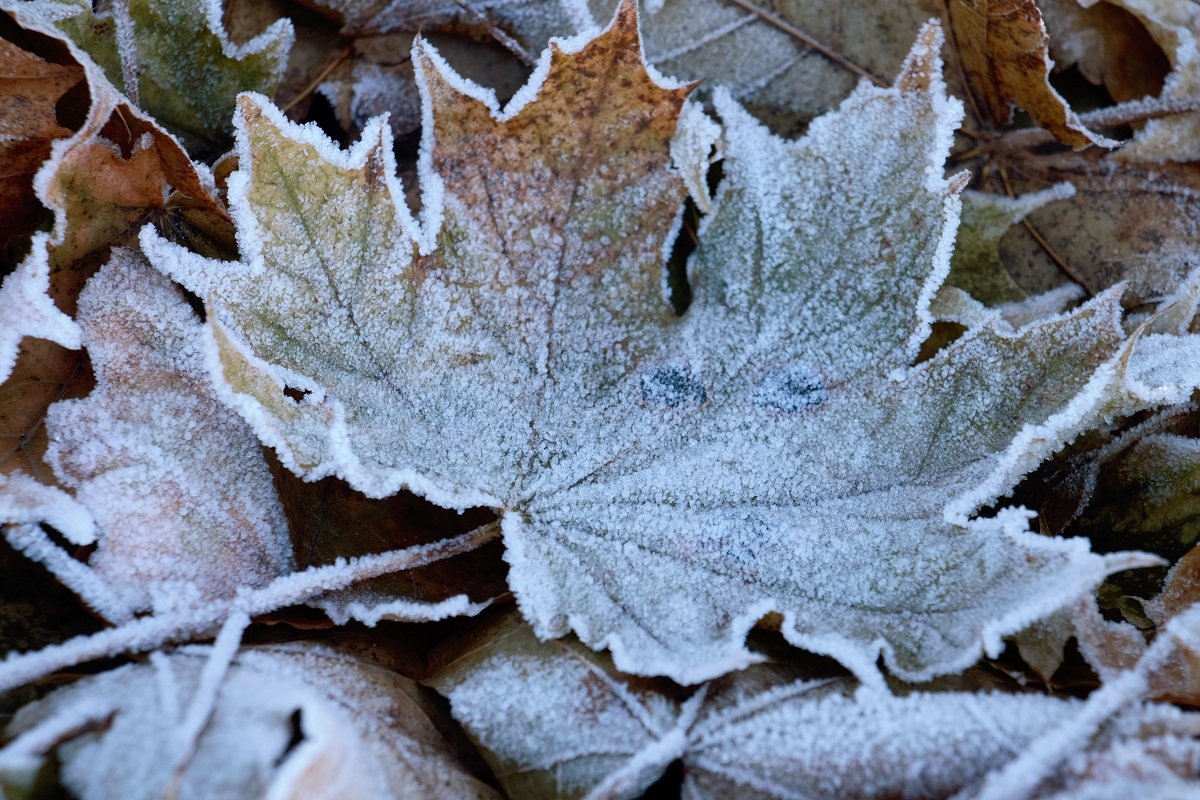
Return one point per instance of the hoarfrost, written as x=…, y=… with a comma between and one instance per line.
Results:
x=27, y=310
x=180, y=492
x=556, y=720
x=361, y=731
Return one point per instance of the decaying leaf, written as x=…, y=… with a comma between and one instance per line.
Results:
x=771, y=450
x=288, y=722
x=30, y=87
x=189, y=88
x=1175, y=26
x=1138, y=224
x=1150, y=494
x=329, y=521
x=1165, y=757
x=113, y=174
x=1002, y=45
x=1113, y=647
x=173, y=490
x=556, y=720
x=180, y=494
x=1108, y=45
x=976, y=265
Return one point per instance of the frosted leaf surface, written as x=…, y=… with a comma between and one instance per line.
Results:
x=189, y=89
x=362, y=732
x=555, y=720
x=179, y=489
x=771, y=450
x=530, y=22
x=27, y=310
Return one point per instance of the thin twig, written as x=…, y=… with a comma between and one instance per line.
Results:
x=1041, y=240
x=807, y=41
x=1128, y=113
x=494, y=30
x=322, y=75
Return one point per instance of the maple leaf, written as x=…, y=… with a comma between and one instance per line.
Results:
x=556, y=720
x=288, y=721
x=190, y=90
x=745, y=455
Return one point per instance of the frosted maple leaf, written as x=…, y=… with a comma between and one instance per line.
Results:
x=665, y=481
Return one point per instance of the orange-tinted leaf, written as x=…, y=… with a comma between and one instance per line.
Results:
x=30, y=87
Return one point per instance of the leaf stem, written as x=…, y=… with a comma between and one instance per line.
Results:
x=1036, y=235
x=154, y=631
x=807, y=40
x=315, y=82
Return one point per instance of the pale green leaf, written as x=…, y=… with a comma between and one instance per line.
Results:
x=775, y=449
x=187, y=70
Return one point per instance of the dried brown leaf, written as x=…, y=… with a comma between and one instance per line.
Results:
x=1002, y=45
x=30, y=87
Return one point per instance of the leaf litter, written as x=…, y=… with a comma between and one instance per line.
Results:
x=790, y=452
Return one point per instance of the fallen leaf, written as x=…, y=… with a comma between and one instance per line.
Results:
x=1139, y=223
x=29, y=90
x=328, y=520
x=1175, y=26
x=1003, y=48
x=113, y=174
x=774, y=74
x=288, y=722
x=976, y=265
x=746, y=455
x=556, y=720
x=27, y=310
x=189, y=89
x=179, y=491
x=1109, y=45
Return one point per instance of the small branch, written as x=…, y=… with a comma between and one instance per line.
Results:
x=1032, y=230
x=807, y=41
x=1127, y=113
x=321, y=76
x=507, y=42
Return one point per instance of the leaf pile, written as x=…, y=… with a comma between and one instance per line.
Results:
x=776, y=444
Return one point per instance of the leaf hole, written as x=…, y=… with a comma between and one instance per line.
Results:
x=296, y=737
x=669, y=785
x=194, y=302
x=941, y=335
x=679, y=288
x=687, y=239
x=295, y=394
